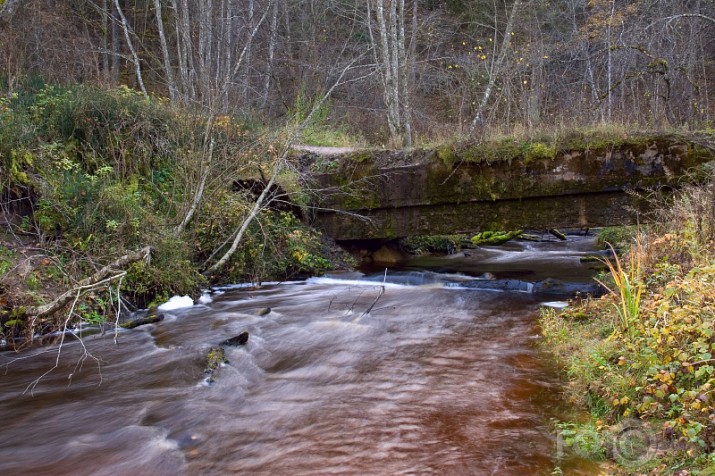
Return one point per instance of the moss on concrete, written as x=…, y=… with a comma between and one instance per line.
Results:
x=494, y=237
x=470, y=187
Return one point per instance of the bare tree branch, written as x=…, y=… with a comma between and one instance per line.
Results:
x=7, y=10
x=682, y=15
x=92, y=281
x=262, y=201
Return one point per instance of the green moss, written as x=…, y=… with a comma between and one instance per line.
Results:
x=446, y=154
x=361, y=200
x=360, y=156
x=215, y=357
x=538, y=150
x=494, y=237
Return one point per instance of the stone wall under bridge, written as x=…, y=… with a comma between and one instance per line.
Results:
x=382, y=195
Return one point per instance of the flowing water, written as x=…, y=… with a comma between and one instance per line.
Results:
x=441, y=376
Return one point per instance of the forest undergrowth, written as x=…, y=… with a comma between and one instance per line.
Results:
x=91, y=174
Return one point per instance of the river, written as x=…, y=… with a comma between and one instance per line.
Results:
x=441, y=377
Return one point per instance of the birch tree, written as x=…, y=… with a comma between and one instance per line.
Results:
x=392, y=64
x=497, y=64
x=135, y=57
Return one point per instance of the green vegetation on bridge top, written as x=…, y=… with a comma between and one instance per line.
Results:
x=520, y=145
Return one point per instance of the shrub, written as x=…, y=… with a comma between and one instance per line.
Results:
x=647, y=349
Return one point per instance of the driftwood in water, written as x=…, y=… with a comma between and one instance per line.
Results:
x=557, y=234
x=89, y=282
x=494, y=237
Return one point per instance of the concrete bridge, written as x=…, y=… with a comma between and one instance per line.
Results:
x=465, y=189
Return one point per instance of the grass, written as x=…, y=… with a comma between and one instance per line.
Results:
x=324, y=136
x=628, y=287
x=544, y=143
x=644, y=352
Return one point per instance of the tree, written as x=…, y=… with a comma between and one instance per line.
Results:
x=497, y=64
x=392, y=63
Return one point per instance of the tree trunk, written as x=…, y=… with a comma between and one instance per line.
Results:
x=182, y=73
x=168, y=69
x=496, y=68
x=116, y=46
x=271, y=53
x=239, y=61
x=204, y=50
x=228, y=51
x=609, y=67
x=248, y=54
x=105, y=41
x=389, y=86
x=204, y=171
x=404, y=70
x=135, y=57
x=185, y=33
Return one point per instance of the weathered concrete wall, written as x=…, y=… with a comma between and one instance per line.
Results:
x=430, y=192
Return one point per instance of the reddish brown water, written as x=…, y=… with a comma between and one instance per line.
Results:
x=435, y=380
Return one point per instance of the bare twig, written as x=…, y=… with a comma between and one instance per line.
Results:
x=264, y=198
x=379, y=295
x=119, y=309
x=32, y=385
x=102, y=276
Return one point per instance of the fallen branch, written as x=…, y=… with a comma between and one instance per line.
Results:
x=85, y=353
x=150, y=319
x=265, y=198
x=90, y=282
x=379, y=295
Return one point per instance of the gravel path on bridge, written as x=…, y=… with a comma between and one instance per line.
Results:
x=326, y=151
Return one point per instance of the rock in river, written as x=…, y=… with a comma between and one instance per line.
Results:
x=215, y=357
x=240, y=339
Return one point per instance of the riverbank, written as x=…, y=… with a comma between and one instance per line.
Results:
x=92, y=175
x=640, y=359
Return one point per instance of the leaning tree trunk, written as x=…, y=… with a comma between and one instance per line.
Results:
x=496, y=68
x=130, y=44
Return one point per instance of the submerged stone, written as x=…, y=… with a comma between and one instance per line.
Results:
x=388, y=255
x=240, y=339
